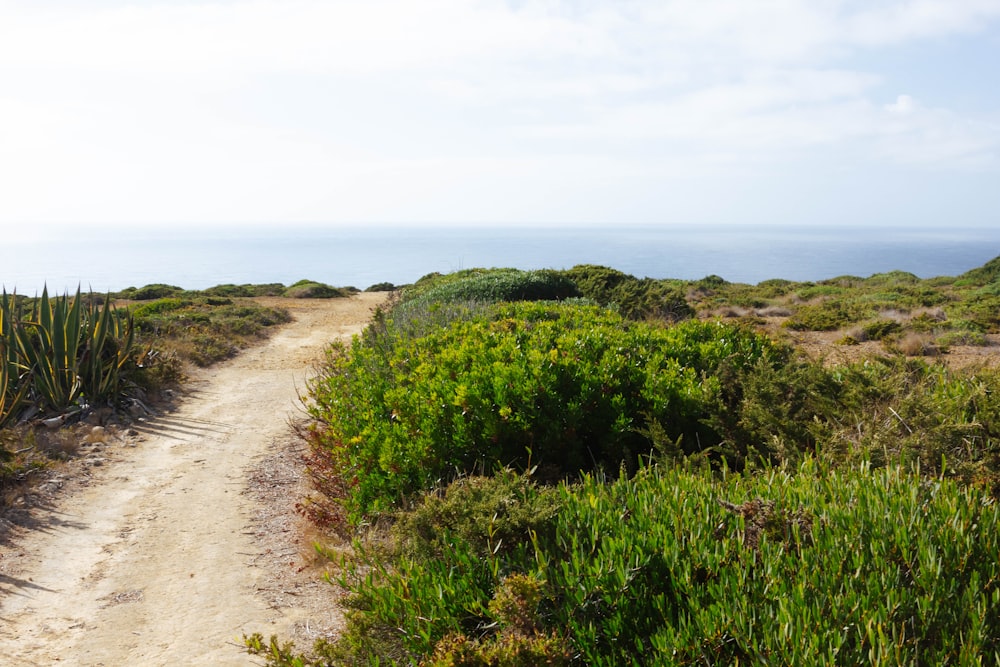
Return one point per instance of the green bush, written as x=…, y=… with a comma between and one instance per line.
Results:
x=489, y=514
x=712, y=282
x=150, y=292
x=827, y=316
x=160, y=306
x=634, y=298
x=962, y=337
x=983, y=275
x=565, y=387
x=930, y=417
x=893, y=278
x=881, y=329
x=811, y=291
x=492, y=285
x=230, y=290
x=775, y=287
x=982, y=310
x=308, y=289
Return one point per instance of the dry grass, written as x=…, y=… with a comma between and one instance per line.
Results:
x=917, y=345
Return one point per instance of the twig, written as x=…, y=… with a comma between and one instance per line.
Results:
x=896, y=415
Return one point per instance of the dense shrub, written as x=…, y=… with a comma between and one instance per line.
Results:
x=149, y=292
x=246, y=290
x=893, y=278
x=634, y=298
x=881, y=329
x=982, y=310
x=492, y=285
x=984, y=275
x=827, y=315
x=775, y=287
x=927, y=417
x=568, y=388
x=160, y=306
x=309, y=289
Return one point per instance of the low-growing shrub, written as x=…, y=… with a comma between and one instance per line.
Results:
x=826, y=316
x=775, y=287
x=981, y=310
x=491, y=286
x=811, y=291
x=308, y=289
x=203, y=330
x=246, y=290
x=569, y=387
x=634, y=298
x=149, y=292
x=959, y=337
x=159, y=306
x=881, y=329
x=489, y=514
x=984, y=275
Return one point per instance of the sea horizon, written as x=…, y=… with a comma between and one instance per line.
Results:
x=360, y=256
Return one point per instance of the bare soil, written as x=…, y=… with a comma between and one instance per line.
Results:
x=164, y=544
x=825, y=346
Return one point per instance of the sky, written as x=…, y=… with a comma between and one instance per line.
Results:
x=183, y=113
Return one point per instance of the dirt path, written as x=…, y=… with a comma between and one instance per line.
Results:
x=156, y=562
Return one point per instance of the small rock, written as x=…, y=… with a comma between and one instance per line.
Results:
x=54, y=422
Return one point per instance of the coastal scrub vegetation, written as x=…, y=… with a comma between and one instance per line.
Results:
x=649, y=472
x=302, y=289
x=64, y=358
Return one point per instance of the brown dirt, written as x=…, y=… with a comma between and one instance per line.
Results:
x=165, y=544
x=823, y=345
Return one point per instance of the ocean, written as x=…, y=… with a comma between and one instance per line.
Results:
x=362, y=256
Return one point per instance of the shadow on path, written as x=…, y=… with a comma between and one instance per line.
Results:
x=14, y=586
x=182, y=428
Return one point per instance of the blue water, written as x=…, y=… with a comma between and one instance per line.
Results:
x=361, y=256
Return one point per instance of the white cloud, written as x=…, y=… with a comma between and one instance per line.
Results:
x=914, y=135
x=903, y=105
x=339, y=36
x=379, y=109
x=892, y=22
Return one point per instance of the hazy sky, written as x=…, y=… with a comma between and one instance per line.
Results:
x=524, y=111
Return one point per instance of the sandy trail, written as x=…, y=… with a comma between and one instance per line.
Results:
x=153, y=563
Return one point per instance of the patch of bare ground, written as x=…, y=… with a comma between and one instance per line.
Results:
x=286, y=543
x=828, y=347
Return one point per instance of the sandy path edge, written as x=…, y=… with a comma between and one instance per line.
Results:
x=154, y=563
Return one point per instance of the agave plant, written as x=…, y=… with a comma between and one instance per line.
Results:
x=48, y=343
x=12, y=389
x=65, y=352
x=108, y=346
